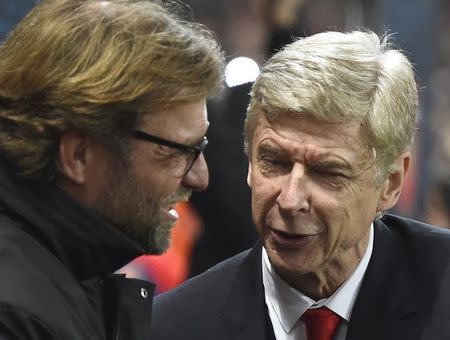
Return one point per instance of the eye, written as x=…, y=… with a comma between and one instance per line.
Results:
x=272, y=161
x=179, y=155
x=173, y=158
x=273, y=165
x=331, y=177
x=331, y=174
x=166, y=151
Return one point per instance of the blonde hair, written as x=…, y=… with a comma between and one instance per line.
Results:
x=94, y=66
x=342, y=77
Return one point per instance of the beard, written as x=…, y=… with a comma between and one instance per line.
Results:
x=137, y=211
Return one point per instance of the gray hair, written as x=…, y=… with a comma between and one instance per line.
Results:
x=342, y=77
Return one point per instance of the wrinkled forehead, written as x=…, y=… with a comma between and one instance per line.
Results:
x=296, y=131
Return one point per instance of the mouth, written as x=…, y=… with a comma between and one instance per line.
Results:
x=284, y=239
x=170, y=214
x=173, y=213
x=168, y=211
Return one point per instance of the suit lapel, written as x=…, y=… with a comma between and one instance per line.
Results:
x=387, y=304
x=245, y=316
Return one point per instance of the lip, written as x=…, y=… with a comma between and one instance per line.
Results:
x=286, y=240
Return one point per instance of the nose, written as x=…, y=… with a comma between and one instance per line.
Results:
x=293, y=196
x=198, y=177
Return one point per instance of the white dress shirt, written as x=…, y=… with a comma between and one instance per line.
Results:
x=285, y=304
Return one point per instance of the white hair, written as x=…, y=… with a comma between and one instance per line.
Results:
x=342, y=77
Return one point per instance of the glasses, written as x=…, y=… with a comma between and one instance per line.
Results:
x=191, y=152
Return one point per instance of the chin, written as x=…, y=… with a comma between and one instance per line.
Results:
x=293, y=262
x=157, y=249
x=159, y=241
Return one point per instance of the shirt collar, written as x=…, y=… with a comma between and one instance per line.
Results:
x=289, y=304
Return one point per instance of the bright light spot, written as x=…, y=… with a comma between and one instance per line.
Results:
x=241, y=70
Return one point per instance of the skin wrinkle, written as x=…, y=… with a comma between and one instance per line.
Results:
x=327, y=281
x=376, y=87
x=327, y=132
x=300, y=145
x=354, y=170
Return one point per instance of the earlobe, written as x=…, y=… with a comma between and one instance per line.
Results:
x=72, y=156
x=249, y=175
x=393, y=185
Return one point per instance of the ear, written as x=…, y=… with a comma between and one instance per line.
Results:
x=393, y=185
x=249, y=174
x=72, y=156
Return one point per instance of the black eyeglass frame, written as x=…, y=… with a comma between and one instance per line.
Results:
x=193, y=150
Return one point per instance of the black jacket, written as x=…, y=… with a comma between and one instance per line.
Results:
x=404, y=294
x=56, y=260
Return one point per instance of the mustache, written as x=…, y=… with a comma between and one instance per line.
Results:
x=180, y=195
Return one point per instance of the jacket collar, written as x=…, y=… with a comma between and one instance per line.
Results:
x=389, y=299
x=86, y=243
x=245, y=312
x=388, y=303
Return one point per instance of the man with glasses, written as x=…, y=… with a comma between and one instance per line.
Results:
x=102, y=129
x=191, y=153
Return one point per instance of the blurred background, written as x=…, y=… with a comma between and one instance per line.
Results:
x=216, y=224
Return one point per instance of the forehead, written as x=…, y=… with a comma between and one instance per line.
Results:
x=185, y=122
x=304, y=136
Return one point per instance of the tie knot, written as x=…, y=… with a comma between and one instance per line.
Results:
x=321, y=323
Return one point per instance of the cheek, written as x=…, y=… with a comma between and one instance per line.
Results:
x=354, y=216
x=264, y=194
x=156, y=183
x=334, y=216
x=257, y=201
x=364, y=207
x=150, y=175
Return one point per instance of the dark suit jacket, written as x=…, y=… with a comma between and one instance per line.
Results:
x=405, y=293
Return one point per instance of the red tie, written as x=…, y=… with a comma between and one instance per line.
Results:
x=321, y=323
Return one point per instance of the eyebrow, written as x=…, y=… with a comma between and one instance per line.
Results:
x=331, y=165
x=330, y=161
x=267, y=149
x=195, y=142
x=270, y=150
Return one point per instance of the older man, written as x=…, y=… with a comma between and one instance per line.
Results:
x=102, y=128
x=328, y=129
